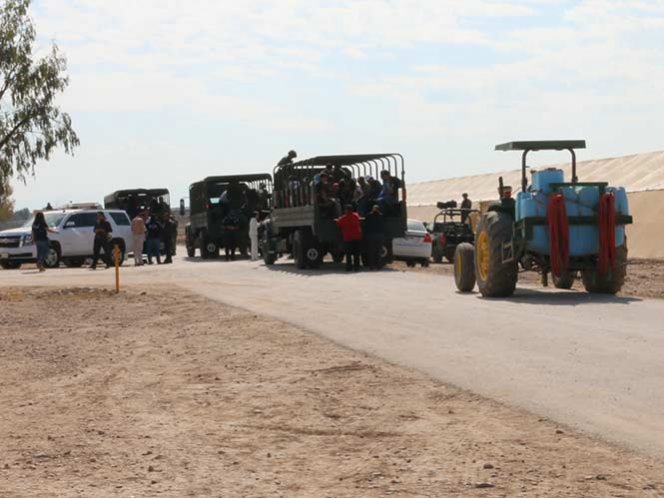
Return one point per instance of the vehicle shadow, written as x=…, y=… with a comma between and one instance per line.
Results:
x=286, y=266
x=561, y=298
x=220, y=259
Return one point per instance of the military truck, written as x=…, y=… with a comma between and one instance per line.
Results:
x=137, y=200
x=302, y=221
x=133, y=201
x=212, y=199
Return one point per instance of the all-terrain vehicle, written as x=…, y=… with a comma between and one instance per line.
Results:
x=302, y=218
x=562, y=228
x=213, y=199
x=448, y=231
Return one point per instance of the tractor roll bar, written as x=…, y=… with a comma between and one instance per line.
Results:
x=526, y=147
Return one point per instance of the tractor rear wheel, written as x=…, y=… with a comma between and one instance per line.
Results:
x=612, y=282
x=494, y=278
x=464, y=267
x=564, y=281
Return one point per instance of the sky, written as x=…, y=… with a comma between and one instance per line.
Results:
x=166, y=92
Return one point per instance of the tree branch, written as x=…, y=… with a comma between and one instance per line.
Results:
x=24, y=121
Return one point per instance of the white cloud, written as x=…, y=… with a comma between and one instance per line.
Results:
x=346, y=75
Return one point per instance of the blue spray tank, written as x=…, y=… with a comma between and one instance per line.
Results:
x=581, y=201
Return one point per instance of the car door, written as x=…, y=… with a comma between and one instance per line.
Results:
x=78, y=234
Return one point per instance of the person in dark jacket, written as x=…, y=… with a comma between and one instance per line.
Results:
x=231, y=234
x=40, y=231
x=168, y=235
x=154, y=231
x=374, y=233
x=466, y=206
x=102, y=242
x=351, y=232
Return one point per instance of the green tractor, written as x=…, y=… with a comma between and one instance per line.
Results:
x=566, y=229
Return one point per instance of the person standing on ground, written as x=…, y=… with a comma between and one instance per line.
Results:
x=374, y=232
x=231, y=234
x=253, y=235
x=153, y=242
x=169, y=229
x=40, y=231
x=351, y=231
x=466, y=206
x=138, y=233
x=102, y=242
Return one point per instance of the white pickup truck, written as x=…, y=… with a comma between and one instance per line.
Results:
x=71, y=244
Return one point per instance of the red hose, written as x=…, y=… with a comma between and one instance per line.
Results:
x=558, y=234
x=607, y=233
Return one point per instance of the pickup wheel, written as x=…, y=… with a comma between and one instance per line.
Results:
x=10, y=265
x=74, y=262
x=52, y=259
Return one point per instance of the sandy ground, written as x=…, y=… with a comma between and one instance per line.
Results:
x=645, y=277
x=163, y=393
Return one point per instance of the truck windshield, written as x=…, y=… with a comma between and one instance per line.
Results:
x=53, y=219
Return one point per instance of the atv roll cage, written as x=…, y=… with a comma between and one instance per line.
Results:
x=558, y=145
x=303, y=172
x=452, y=213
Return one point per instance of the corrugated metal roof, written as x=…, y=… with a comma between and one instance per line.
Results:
x=637, y=173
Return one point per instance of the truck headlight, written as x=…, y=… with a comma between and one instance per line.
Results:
x=27, y=240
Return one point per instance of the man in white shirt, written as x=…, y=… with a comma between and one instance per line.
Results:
x=138, y=232
x=253, y=236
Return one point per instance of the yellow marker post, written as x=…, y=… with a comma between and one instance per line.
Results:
x=116, y=255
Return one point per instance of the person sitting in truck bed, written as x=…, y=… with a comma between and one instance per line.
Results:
x=327, y=203
x=389, y=196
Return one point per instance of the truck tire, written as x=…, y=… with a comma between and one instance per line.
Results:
x=269, y=257
x=612, y=282
x=464, y=267
x=53, y=256
x=209, y=250
x=191, y=250
x=298, y=250
x=494, y=278
x=564, y=281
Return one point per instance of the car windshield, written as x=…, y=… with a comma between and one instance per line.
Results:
x=53, y=219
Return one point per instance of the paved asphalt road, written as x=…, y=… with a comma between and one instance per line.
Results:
x=595, y=363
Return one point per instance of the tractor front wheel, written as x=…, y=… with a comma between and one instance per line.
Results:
x=464, y=267
x=495, y=278
x=612, y=282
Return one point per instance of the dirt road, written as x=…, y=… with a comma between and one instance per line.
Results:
x=588, y=361
x=163, y=393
